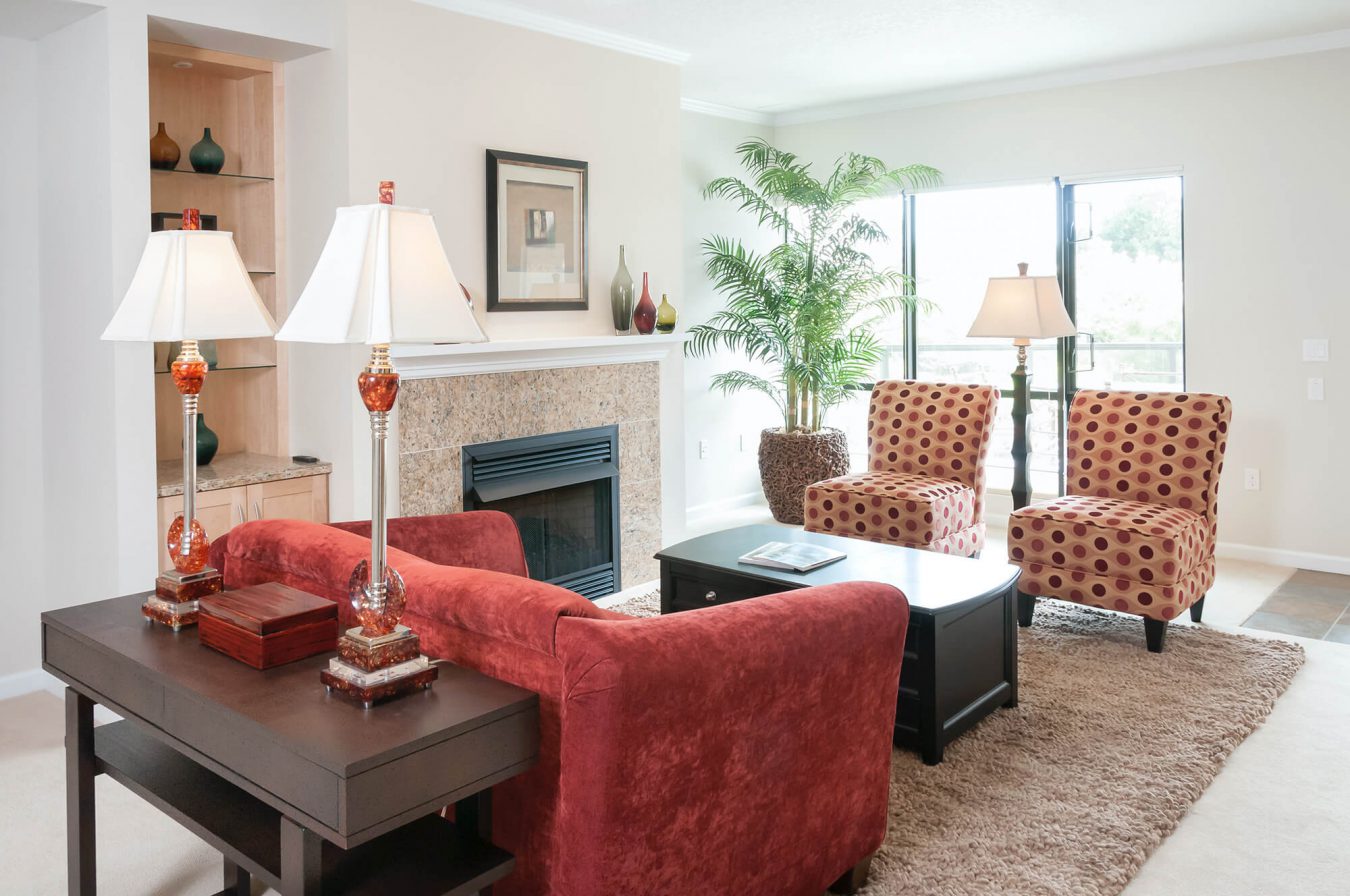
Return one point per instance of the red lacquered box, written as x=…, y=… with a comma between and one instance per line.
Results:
x=268, y=625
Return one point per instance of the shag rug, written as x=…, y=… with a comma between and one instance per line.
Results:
x=1070, y=792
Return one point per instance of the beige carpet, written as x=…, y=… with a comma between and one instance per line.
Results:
x=1071, y=791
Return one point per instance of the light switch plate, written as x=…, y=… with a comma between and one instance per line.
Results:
x=1316, y=388
x=1316, y=350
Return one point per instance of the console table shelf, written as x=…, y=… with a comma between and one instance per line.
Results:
x=428, y=857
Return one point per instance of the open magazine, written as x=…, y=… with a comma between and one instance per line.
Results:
x=796, y=557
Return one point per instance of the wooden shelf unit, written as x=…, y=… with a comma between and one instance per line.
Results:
x=240, y=98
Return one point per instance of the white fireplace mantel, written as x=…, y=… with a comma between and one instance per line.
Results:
x=425, y=361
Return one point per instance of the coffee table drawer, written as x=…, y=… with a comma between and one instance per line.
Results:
x=694, y=591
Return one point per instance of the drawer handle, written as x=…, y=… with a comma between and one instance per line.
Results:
x=257, y=511
x=711, y=596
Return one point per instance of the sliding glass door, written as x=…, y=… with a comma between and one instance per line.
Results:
x=1117, y=249
x=1123, y=279
x=960, y=239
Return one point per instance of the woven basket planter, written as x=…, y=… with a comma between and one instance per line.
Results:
x=789, y=462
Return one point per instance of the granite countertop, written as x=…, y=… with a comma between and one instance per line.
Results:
x=229, y=470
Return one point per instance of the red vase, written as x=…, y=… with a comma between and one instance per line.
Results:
x=644, y=315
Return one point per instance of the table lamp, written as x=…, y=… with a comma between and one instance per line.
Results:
x=1022, y=308
x=382, y=279
x=190, y=285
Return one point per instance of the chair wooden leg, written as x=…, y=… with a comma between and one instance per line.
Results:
x=1197, y=610
x=855, y=878
x=1026, y=608
x=1155, y=632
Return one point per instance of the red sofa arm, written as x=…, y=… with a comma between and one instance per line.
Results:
x=478, y=539
x=735, y=749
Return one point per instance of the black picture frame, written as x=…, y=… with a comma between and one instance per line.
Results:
x=496, y=213
x=159, y=219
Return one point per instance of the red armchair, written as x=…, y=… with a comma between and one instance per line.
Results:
x=737, y=749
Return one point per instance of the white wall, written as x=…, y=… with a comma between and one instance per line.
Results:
x=21, y=405
x=427, y=92
x=80, y=461
x=1263, y=148
x=730, y=424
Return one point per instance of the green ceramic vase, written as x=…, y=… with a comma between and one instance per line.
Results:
x=207, y=156
x=665, y=316
x=208, y=443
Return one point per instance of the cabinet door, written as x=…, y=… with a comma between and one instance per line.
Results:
x=217, y=510
x=305, y=498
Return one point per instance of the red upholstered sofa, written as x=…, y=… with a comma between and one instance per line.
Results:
x=741, y=750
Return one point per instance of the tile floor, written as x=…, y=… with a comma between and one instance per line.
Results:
x=1310, y=605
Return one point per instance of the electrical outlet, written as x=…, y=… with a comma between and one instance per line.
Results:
x=1316, y=350
x=1316, y=388
x=1251, y=479
x=702, y=448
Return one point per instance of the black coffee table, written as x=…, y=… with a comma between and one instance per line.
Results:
x=960, y=659
x=307, y=792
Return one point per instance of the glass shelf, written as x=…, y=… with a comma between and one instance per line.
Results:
x=245, y=177
x=224, y=367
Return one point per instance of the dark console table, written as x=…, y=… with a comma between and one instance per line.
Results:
x=960, y=660
x=304, y=791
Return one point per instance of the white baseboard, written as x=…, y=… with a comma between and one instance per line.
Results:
x=709, y=509
x=1280, y=557
x=20, y=683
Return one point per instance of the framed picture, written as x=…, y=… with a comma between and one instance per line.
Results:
x=174, y=221
x=537, y=233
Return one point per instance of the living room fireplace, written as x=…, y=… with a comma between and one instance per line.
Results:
x=562, y=489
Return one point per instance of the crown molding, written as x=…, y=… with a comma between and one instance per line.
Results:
x=1269, y=49
x=703, y=107
x=546, y=24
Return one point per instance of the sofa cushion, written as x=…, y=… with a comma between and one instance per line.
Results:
x=1151, y=543
x=902, y=508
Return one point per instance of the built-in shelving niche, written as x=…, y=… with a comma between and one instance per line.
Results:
x=240, y=99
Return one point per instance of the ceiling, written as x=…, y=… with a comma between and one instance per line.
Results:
x=773, y=56
x=35, y=19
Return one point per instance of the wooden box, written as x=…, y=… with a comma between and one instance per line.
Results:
x=268, y=625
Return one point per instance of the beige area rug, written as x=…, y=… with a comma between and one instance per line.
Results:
x=1070, y=792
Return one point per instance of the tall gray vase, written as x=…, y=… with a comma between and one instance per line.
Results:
x=621, y=298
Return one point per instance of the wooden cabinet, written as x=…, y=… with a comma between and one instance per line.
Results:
x=220, y=510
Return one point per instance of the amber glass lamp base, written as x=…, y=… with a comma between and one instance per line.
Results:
x=369, y=668
x=176, y=587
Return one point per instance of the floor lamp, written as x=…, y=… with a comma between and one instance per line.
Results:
x=382, y=279
x=1022, y=308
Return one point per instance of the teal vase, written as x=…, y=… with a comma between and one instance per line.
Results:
x=208, y=443
x=207, y=156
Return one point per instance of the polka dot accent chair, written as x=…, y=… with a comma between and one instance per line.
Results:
x=924, y=486
x=1136, y=530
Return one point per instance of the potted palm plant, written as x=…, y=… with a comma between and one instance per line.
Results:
x=806, y=311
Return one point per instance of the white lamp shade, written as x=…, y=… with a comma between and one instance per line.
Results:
x=1023, y=308
x=190, y=284
x=382, y=278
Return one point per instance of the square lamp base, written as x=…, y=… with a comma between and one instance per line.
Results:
x=174, y=614
x=175, y=587
x=369, y=688
x=371, y=654
x=373, y=668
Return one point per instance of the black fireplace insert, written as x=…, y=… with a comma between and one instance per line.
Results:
x=562, y=490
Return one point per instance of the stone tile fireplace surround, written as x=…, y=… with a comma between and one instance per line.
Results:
x=449, y=401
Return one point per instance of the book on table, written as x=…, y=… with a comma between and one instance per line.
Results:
x=794, y=557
